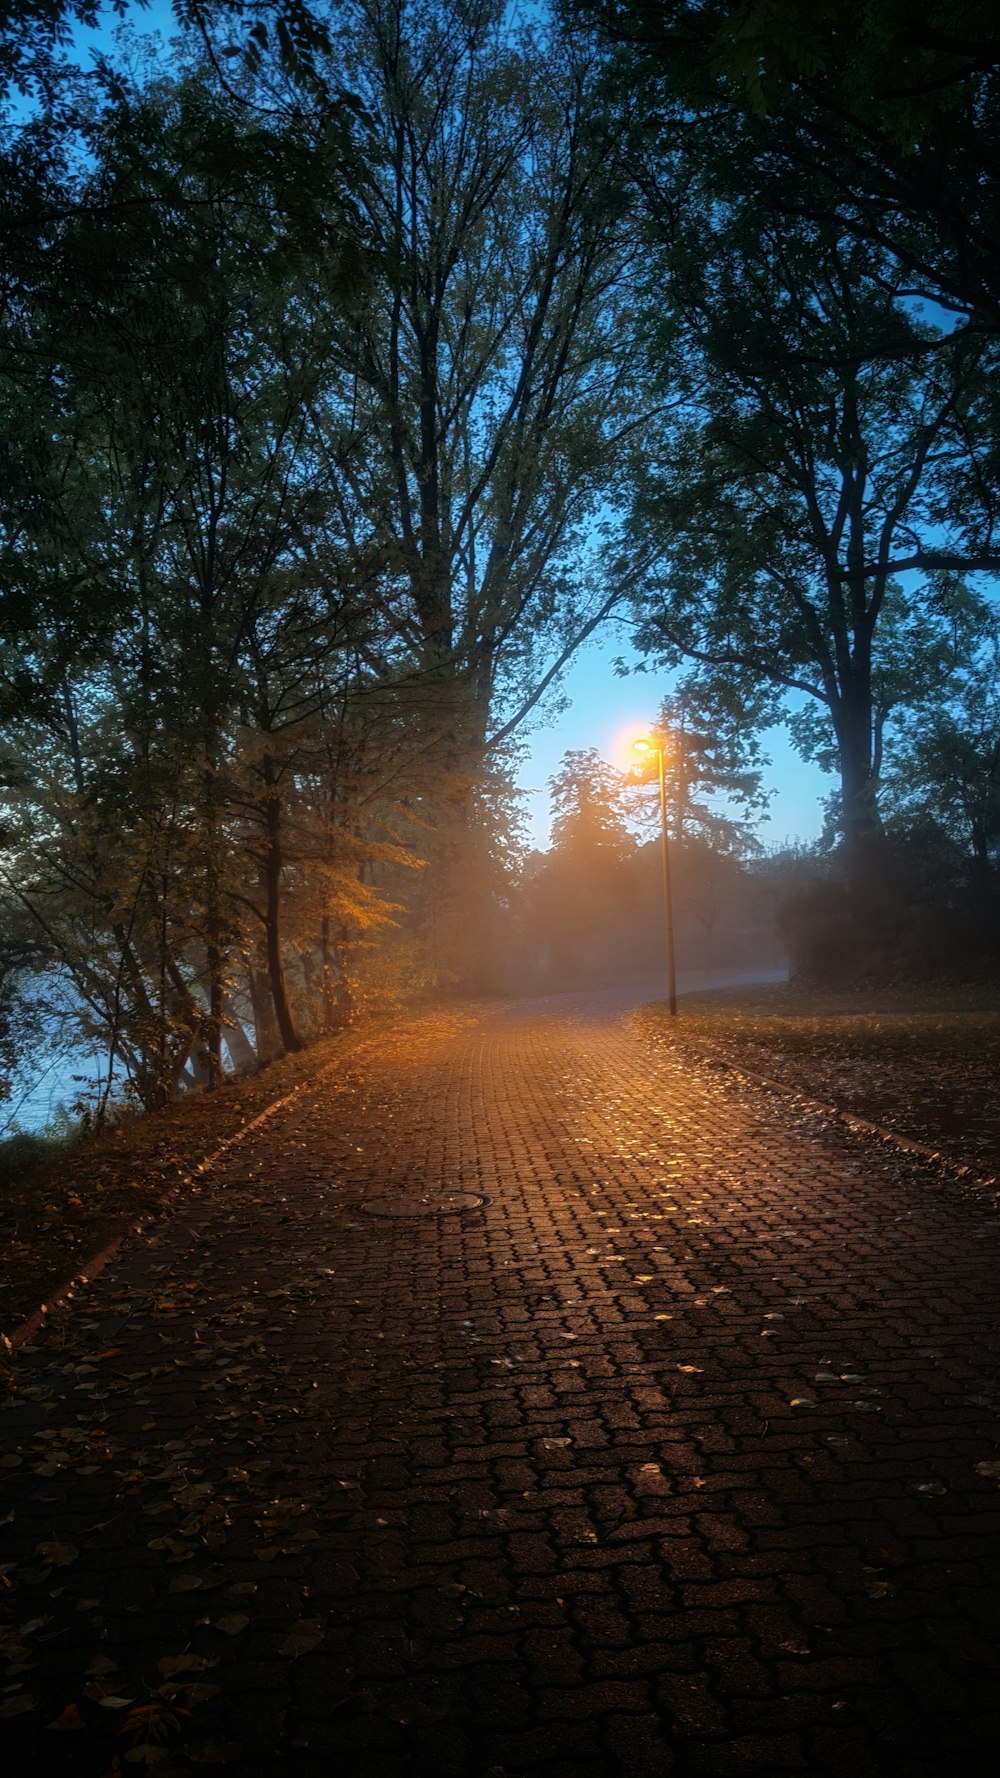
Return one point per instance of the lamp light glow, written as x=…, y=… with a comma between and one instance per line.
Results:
x=644, y=746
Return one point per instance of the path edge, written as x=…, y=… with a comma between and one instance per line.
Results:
x=906, y=1144
x=11, y=1343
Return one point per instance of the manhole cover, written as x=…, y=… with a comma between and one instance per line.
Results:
x=424, y=1203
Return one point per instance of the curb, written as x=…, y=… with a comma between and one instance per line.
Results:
x=863, y=1125
x=92, y=1268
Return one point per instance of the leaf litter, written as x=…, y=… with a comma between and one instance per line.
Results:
x=920, y=1061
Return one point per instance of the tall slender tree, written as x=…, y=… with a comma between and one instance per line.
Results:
x=490, y=392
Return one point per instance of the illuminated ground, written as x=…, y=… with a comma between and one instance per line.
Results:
x=680, y=1455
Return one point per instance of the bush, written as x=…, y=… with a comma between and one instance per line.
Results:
x=907, y=914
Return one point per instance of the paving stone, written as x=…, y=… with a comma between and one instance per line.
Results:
x=523, y=1489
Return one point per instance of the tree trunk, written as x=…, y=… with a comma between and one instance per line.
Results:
x=214, y=956
x=858, y=778
x=214, y=937
x=265, y=1028
x=326, y=954
x=238, y=1044
x=273, y=867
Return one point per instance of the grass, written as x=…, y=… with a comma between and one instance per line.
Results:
x=924, y=1062
x=889, y=1024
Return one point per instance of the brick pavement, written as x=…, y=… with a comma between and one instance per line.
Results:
x=667, y=1461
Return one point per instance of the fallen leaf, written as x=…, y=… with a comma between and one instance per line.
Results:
x=101, y=1664
x=181, y=1552
x=186, y=1583
x=198, y=1693
x=58, y=1555
x=195, y=1494
x=111, y=1702
x=168, y=1665
x=18, y=1706
x=68, y=1719
x=302, y=1639
x=232, y=1623
x=991, y=1469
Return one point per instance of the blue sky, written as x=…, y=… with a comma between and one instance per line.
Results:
x=602, y=710
x=606, y=712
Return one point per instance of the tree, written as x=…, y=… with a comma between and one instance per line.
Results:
x=711, y=767
x=184, y=642
x=490, y=392
x=581, y=890
x=945, y=767
x=592, y=906
x=807, y=469
x=35, y=36
x=482, y=373
x=873, y=117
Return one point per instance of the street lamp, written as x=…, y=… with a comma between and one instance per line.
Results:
x=644, y=748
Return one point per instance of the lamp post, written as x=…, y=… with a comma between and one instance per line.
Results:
x=646, y=747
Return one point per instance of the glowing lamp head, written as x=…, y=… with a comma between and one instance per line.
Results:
x=643, y=747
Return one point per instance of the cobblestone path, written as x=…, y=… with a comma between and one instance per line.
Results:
x=680, y=1455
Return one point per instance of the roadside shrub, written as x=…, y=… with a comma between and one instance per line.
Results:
x=906, y=915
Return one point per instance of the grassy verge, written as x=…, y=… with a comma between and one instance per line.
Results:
x=924, y=1063
x=61, y=1202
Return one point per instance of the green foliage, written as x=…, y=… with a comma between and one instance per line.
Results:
x=35, y=36
x=946, y=765
x=806, y=469
x=819, y=184
x=306, y=434
x=579, y=892
x=876, y=116
x=712, y=764
x=189, y=753
x=591, y=808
